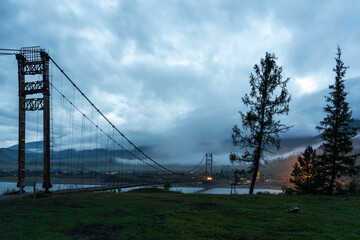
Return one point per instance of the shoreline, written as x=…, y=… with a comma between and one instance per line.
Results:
x=275, y=185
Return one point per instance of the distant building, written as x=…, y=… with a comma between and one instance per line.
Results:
x=56, y=171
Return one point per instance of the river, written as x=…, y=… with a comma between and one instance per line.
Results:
x=12, y=185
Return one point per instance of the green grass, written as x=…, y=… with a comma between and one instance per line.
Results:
x=168, y=215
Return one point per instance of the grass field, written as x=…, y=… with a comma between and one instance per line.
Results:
x=161, y=215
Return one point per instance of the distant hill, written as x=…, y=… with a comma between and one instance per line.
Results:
x=29, y=145
x=282, y=166
x=10, y=155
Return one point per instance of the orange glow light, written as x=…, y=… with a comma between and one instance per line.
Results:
x=209, y=178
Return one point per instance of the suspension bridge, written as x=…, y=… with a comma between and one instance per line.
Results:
x=74, y=143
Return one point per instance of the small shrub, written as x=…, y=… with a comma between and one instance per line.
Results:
x=288, y=190
x=167, y=186
x=264, y=193
x=39, y=194
x=10, y=191
x=353, y=188
x=340, y=189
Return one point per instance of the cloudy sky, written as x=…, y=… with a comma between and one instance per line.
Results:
x=171, y=74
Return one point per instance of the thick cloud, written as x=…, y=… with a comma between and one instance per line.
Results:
x=171, y=74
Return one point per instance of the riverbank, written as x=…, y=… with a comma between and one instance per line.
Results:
x=194, y=188
x=215, y=187
x=169, y=215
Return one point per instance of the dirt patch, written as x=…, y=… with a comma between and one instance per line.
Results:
x=94, y=231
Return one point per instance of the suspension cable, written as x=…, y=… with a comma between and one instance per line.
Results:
x=197, y=165
x=111, y=138
x=98, y=110
x=111, y=124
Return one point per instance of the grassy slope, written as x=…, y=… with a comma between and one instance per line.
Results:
x=180, y=216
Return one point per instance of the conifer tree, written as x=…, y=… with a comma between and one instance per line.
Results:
x=337, y=131
x=304, y=172
x=268, y=98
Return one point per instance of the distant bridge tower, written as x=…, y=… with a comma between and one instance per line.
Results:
x=34, y=61
x=209, y=164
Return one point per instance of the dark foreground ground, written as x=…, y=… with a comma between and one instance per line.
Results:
x=159, y=215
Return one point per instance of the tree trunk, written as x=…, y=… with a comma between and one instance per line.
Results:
x=259, y=147
x=332, y=180
x=334, y=158
x=253, y=180
x=336, y=147
x=256, y=169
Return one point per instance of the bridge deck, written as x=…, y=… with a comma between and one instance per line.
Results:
x=95, y=189
x=106, y=188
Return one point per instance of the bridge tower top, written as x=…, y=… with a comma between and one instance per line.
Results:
x=209, y=164
x=31, y=54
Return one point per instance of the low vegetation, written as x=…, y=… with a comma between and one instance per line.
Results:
x=9, y=191
x=168, y=215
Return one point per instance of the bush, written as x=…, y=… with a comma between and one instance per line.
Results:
x=288, y=190
x=340, y=189
x=10, y=191
x=264, y=193
x=39, y=194
x=353, y=188
x=167, y=186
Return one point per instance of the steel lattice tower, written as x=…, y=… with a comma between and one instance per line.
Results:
x=209, y=164
x=34, y=61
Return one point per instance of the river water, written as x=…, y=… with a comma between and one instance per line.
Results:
x=12, y=185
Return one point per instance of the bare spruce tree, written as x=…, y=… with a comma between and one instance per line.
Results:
x=268, y=98
x=337, y=131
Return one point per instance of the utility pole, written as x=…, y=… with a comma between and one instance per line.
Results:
x=34, y=61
